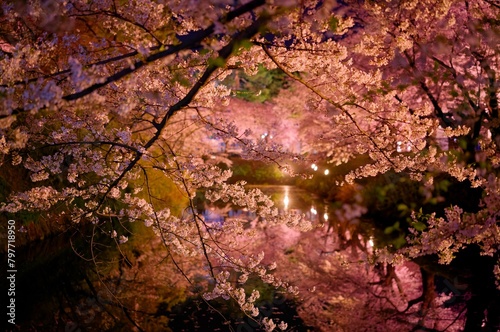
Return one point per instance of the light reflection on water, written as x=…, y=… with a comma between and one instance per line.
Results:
x=341, y=224
x=286, y=198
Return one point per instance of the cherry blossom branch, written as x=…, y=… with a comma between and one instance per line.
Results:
x=492, y=90
x=195, y=217
x=452, y=70
x=444, y=118
x=98, y=273
x=190, y=41
x=437, y=108
x=117, y=15
x=295, y=48
x=242, y=141
x=97, y=63
x=329, y=100
x=162, y=232
x=493, y=101
x=126, y=146
x=223, y=54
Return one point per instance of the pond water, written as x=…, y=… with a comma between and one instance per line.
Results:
x=286, y=199
x=57, y=290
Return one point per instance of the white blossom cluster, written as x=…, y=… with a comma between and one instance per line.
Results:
x=225, y=289
x=446, y=236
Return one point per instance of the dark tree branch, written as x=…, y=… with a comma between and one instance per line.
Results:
x=67, y=71
x=492, y=84
x=125, y=146
x=443, y=118
x=189, y=41
x=223, y=54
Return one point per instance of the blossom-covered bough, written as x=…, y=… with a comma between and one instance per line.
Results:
x=99, y=97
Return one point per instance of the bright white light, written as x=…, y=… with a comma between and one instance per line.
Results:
x=370, y=242
x=286, y=201
x=327, y=171
x=325, y=216
x=313, y=166
x=313, y=210
x=398, y=148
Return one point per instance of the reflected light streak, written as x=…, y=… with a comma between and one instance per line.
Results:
x=286, y=200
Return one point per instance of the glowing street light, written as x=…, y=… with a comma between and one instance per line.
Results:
x=327, y=171
x=370, y=242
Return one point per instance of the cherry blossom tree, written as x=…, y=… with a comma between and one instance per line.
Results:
x=97, y=96
x=404, y=73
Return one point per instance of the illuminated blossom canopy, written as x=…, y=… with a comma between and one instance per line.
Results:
x=100, y=97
